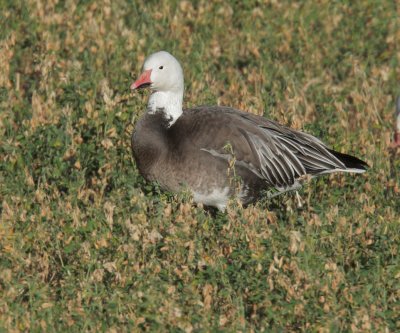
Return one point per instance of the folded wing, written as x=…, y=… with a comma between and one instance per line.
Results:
x=275, y=153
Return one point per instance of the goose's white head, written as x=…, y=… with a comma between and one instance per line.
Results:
x=164, y=75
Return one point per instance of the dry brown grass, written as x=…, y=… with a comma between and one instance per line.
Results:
x=87, y=245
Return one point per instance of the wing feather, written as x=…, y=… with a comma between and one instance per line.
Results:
x=274, y=153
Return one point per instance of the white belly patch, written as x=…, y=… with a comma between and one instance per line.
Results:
x=216, y=198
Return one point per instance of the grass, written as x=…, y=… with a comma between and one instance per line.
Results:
x=87, y=245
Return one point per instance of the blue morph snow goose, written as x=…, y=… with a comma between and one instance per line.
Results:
x=396, y=137
x=201, y=149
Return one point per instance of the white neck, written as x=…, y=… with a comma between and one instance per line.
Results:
x=169, y=102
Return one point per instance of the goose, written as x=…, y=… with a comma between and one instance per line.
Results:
x=396, y=137
x=218, y=152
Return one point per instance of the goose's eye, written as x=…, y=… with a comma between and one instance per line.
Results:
x=161, y=67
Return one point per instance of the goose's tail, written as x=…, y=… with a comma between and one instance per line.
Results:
x=353, y=164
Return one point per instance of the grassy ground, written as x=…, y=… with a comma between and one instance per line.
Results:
x=87, y=245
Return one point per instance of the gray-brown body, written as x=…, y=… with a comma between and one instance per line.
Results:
x=208, y=148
